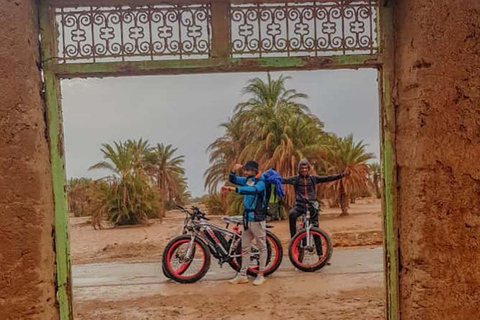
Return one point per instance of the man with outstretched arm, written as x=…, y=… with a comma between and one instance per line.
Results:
x=252, y=187
x=305, y=196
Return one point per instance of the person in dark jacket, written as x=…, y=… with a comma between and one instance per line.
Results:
x=305, y=196
x=252, y=188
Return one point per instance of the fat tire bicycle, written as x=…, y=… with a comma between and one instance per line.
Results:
x=310, y=248
x=187, y=257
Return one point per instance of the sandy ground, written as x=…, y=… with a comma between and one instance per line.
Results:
x=306, y=296
x=113, y=278
x=350, y=288
x=146, y=243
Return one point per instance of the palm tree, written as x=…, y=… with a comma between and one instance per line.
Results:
x=270, y=94
x=282, y=128
x=78, y=196
x=345, y=154
x=123, y=159
x=182, y=196
x=224, y=153
x=129, y=197
x=375, y=170
x=167, y=172
x=272, y=127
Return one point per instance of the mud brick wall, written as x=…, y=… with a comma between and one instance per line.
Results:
x=437, y=69
x=27, y=265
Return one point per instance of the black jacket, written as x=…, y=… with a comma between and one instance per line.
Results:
x=305, y=186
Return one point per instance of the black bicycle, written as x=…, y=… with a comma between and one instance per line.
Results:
x=186, y=258
x=310, y=248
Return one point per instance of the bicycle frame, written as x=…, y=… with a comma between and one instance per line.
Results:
x=307, y=225
x=209, y=228
x=200, y=229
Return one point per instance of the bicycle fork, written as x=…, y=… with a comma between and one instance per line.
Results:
x=190, y=248
x=307, y=229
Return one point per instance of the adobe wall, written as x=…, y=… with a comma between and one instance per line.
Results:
x=27, y=288
x=437, y=69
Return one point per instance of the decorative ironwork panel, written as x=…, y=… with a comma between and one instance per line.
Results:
x=311, y=28
x=123, y=33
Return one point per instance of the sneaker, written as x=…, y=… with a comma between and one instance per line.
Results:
x=239, y=280
x=259, y=280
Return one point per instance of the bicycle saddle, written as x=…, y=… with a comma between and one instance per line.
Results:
x=234, y=219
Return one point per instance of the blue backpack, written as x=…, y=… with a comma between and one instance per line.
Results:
x=273, y=180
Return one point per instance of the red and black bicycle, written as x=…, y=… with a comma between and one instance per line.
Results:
x=187, y=258
x=311, y=248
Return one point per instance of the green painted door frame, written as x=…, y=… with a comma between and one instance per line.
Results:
x=53, y=102
x=54, y=72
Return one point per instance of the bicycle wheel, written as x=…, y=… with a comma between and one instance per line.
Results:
x=165, y=272
x=274, y=256
x=313, y=258
x=185, y=269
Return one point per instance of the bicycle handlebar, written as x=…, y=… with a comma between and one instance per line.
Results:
x=195, y=214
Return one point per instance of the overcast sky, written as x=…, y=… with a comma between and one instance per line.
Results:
x=186, y=110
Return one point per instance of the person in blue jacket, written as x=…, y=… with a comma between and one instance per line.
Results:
x=252, y=187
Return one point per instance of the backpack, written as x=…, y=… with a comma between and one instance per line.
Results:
x=274, y=180
x=273, y=188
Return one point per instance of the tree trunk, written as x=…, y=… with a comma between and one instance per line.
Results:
x=343, y=197
x=377, y=188
x=161, y=207
x=333, y=203
x=161, y=199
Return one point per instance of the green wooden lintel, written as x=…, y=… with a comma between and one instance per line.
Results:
x=213, y=65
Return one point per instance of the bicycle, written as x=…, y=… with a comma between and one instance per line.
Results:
x=187, y=258
x=308, y=242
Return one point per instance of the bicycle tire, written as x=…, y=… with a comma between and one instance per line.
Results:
x=179, y=276
x=292, y=251
x=236, y=262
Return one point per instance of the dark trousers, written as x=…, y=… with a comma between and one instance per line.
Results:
x=299, y=210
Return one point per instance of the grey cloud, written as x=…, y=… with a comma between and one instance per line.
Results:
x=186, y=111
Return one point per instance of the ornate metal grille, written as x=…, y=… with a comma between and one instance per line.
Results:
x=311, y=28
x=123, y=33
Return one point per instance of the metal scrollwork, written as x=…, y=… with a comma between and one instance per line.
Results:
x=311, y=28
x=94, y=34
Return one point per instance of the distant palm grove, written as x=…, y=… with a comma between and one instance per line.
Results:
x=274, y=126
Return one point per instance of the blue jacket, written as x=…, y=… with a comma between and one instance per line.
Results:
x=253, y=190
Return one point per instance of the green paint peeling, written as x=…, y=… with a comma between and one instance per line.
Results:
x=72, y=70
x=61, y=212
x=53, y=71
x=55, y=134
x=389, y=168
x=283, y=62
x=390, y=227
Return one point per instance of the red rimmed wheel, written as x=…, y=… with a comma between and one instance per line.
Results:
x=274, y=256
x=313, y=258
x=184, y=261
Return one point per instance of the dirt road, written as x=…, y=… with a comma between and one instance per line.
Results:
x=145, y=243
x=352, y=287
